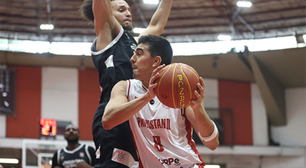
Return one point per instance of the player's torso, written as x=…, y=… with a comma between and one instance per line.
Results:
x=113, y=64
x=114, y=59
x=69, y=159
x=165, y=132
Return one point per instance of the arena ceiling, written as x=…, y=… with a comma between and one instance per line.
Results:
x=190, y=20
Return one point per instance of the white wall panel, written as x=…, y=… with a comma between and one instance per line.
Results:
x=294, y=133
x=2, y=125
x=211, y=93
x=60, y=94
x=259, y=118
x=211, y=99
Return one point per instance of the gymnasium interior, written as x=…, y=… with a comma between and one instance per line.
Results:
x=250, y=53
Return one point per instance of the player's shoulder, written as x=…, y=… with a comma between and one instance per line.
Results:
x=90, y=147
x=133, y=83
x=122, y=83
x=86, y=146
x=136, y=81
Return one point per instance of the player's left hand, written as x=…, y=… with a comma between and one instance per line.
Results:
x=199, y=93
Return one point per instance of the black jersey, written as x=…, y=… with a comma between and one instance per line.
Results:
x=69, y=158
x=113, y=64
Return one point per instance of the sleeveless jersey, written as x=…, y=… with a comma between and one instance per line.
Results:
x=163, y=135
x=113, y=64
x=69, y=158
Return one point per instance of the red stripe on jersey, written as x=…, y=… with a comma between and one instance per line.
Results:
x=200, y=165
x=144, y=88
x=140, y=164
x=190, y=141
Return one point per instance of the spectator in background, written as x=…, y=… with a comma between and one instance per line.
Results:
x=75, y=155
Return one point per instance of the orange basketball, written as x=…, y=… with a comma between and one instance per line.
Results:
x=176, y=85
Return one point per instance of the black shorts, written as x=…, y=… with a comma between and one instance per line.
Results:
x=119, y=137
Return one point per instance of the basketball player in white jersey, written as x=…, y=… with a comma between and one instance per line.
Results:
x=111, y=53
x=162, y=135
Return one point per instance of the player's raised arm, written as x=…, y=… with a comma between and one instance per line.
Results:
x=159, y=19
x=106, y=26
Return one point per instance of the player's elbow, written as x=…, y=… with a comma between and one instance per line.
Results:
x=107, y=125
x=159, y=31
x=213, y=145
x=154, y=29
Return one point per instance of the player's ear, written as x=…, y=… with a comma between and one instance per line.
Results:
x=157, y=61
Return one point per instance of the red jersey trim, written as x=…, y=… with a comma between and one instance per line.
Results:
x=191, y=142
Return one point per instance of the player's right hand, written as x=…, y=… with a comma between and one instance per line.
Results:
x=152, y=84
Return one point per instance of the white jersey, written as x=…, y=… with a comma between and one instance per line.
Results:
x=162, y=135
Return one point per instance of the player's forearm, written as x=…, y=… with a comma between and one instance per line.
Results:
x=160, y=17
x=204, y=123
x=119, y=113
x=206, y=127
x=103, y=14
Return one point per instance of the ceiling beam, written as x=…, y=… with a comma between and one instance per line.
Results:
x=227, y=18
x=272, y=92
x=246, y=24
x=201, y=22
x=171, y=17
x=89, y=31
x=142, y=18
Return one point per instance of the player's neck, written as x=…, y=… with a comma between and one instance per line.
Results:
x=146, y=85
x=73, y=145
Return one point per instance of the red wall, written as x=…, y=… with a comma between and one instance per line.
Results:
x=237, y=97
x=25, y=123
x=89, y=94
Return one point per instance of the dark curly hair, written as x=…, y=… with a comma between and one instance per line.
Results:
x=86, y=10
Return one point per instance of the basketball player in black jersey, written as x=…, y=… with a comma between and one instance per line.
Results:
x=75, y=155
x=111, y=53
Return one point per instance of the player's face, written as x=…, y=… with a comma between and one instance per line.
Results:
x=72, y=133
x=142, y=62
x=122, y=13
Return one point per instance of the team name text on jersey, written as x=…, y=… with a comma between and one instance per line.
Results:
x=163, y=123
